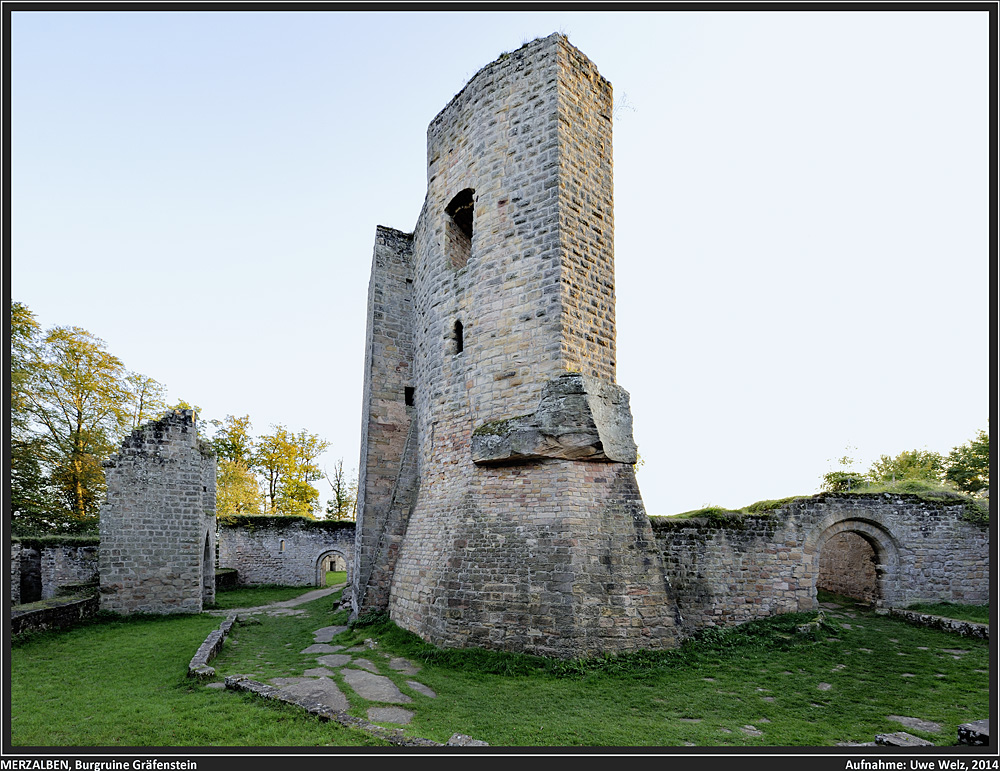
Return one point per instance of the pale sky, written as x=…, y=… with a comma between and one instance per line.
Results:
x=802, y=216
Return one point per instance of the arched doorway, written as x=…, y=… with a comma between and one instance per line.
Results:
x=855, y=557
x=333, y=561
x=847, y=565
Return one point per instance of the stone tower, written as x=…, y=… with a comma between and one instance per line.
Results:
x=157, y=552
x=498, y=505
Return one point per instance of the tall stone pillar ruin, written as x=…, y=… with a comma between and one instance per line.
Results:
x=498, y=505
x=157, y=527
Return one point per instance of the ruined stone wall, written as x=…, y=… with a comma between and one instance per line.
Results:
x=157, y=526
x=729, y=570
x=15, y=573
x=550, y=555
x=284, y=550
x=385, y=490
x=63, y=564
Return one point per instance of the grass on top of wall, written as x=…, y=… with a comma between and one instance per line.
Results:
x=123, y=683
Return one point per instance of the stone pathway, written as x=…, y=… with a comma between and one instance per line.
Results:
x=361, y=668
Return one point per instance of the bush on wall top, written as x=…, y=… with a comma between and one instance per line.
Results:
x=283, y=522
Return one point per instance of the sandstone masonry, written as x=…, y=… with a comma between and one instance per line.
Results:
x=498, y=505
x=292, y=551
x=157, y=527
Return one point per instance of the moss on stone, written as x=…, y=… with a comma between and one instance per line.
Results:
x=499, y=427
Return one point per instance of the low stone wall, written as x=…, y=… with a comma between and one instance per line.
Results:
x=53, y=613
x=963, y=628
x=284, y=550
x=729, y=568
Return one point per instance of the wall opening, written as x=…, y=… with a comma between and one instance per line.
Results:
x=336, y=562
x=208, y=572
x=459, y=337
x=458, y=228
x=408, y=392
x=847, y=565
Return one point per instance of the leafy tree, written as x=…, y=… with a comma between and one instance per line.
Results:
x=287, y=462
x=31, y=498
x=237, y=490
x=343, y=504
x=909, y=464
x=968, y=466
x=147, y=399
x=78, y=399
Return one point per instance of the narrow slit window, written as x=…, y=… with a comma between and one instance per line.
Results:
x=458, y=228
x=459, y=337
x=408, y=395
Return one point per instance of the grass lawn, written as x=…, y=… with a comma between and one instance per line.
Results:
x=123, y=683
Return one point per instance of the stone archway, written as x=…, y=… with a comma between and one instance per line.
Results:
x=855, y=557
x=848, y=565
x=336, y=556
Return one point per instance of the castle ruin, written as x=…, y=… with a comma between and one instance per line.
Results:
x=497, y=502
x=157, y=526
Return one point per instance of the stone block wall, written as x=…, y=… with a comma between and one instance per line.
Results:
x=523, y=546
x=387, y=476
x=284, y=550
x=15, y=573
x=50, y=565
x=157, y=526
x=729, y=570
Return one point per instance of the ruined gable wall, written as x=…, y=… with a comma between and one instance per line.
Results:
x=729, y=572
x=554, y=556
x=158, y=521
x=283, y=550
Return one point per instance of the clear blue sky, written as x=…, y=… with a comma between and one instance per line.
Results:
x=801, y=208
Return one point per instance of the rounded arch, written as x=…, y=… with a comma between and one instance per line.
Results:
x=345, y=553
x=885, y=550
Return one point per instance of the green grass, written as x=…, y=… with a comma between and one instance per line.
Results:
x=980, y=614
x=254, y=596
x=123, y=683
x=334, y=577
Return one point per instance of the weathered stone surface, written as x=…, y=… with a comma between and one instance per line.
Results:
x=901, y=739
x=334, y=660
x=578, y=418
x=976, y=733
x=322, y=648
x=390, y=715
x=421, y=688
x=403, y=665
x=157, y=525
x=374, y=687
x=461, y=740
x=322, y=690
x=327, y=633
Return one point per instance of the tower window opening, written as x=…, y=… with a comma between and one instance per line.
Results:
x=458, y=228
x=459, y=337
x=408, y=395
